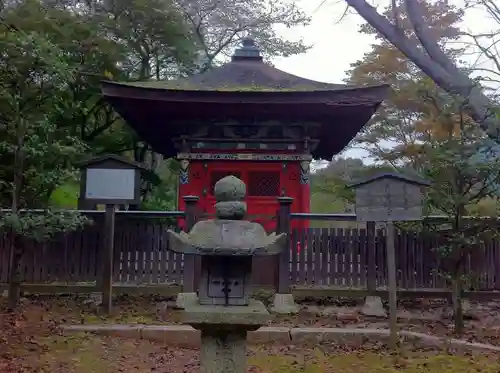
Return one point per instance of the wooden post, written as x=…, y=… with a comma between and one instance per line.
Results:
x=189, y=260
x=107, y=258
x=283, y=226
x=371, y=281
x=391, y=272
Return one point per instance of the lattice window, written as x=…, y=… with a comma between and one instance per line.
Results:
x=264, y=183
x=215, y=176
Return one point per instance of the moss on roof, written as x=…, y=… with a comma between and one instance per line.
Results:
x=242, y=76
x=188, y=86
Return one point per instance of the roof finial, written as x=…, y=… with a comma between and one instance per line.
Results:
x=247, y=51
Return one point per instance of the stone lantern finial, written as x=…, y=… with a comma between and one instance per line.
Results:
x=229, y=193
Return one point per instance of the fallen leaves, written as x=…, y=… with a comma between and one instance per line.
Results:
x=30, y=342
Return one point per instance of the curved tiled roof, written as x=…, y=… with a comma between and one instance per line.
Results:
x=245, y=71
x=242, y=75
x=245, y=89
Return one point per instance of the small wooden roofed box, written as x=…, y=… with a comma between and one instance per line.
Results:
x=110, y=179
x=389, y=197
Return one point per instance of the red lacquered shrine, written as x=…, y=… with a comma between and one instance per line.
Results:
x=248, y=119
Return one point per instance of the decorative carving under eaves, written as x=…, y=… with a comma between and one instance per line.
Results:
x=292, y=132
x=201, y=131
x=312, y=130
x=246, y=132
x=313, y=144
x=184, y=172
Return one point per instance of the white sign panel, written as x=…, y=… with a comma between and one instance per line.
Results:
x=103, y=183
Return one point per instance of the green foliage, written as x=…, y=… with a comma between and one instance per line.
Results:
x=391, y=135
x=33, y=78
x=66, y=196
x=164, y=195
x=156, y=37
x=113, y=43
x=36, y=152
x=465, y=169
x=41, y=226
x=329, y=186
x=461, y=179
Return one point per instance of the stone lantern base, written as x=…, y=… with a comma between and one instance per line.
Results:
x=224, y=333
x=185, y=298
x=284, y=304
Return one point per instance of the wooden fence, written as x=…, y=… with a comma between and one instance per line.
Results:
x=340, y=258
x=317, y=256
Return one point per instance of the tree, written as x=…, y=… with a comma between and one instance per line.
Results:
x=391, y=135
x=92, y=56
x=329, y=192
x=328, y=185
x=429, y=56
x=158, y=40
x=34, y=75
x=486, y=43
x=137, y=39
x=154, y=39
x=219, y=25
x=464, y=168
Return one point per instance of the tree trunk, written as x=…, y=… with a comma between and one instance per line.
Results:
x=16, y=249
x=456, y=297
x=16, y=253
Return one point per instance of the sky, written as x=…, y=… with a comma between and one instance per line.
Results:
x=336, y=42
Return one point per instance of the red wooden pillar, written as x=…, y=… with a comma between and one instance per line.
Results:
x=283, y=226
x=189, y=285
x=305, y=188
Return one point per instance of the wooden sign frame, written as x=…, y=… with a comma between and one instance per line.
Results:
x=111, y=162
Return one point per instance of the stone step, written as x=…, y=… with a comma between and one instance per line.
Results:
x=187, y=337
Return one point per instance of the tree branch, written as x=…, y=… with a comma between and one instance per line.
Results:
x=396, y=37
x=416, y=17
x=478, y=103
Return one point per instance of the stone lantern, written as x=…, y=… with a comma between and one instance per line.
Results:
x=223, y=310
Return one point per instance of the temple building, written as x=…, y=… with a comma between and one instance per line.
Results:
x=248, y=119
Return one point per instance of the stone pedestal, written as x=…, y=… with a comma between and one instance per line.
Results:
x=185, y=298
x=224, y=332
x=223, y=352
x=203, y=317
x=373, y=307
x=284, y=304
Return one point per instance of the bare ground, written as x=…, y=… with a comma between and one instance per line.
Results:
x=482, y=321
x=29, y=342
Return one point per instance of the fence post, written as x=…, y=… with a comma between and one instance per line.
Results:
x=373, y=304
x=191, y=203
x=106, y=283
x=283, y=226
x=283, y=301
x=371, y=281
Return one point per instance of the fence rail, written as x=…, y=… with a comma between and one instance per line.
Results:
x=317, y=256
